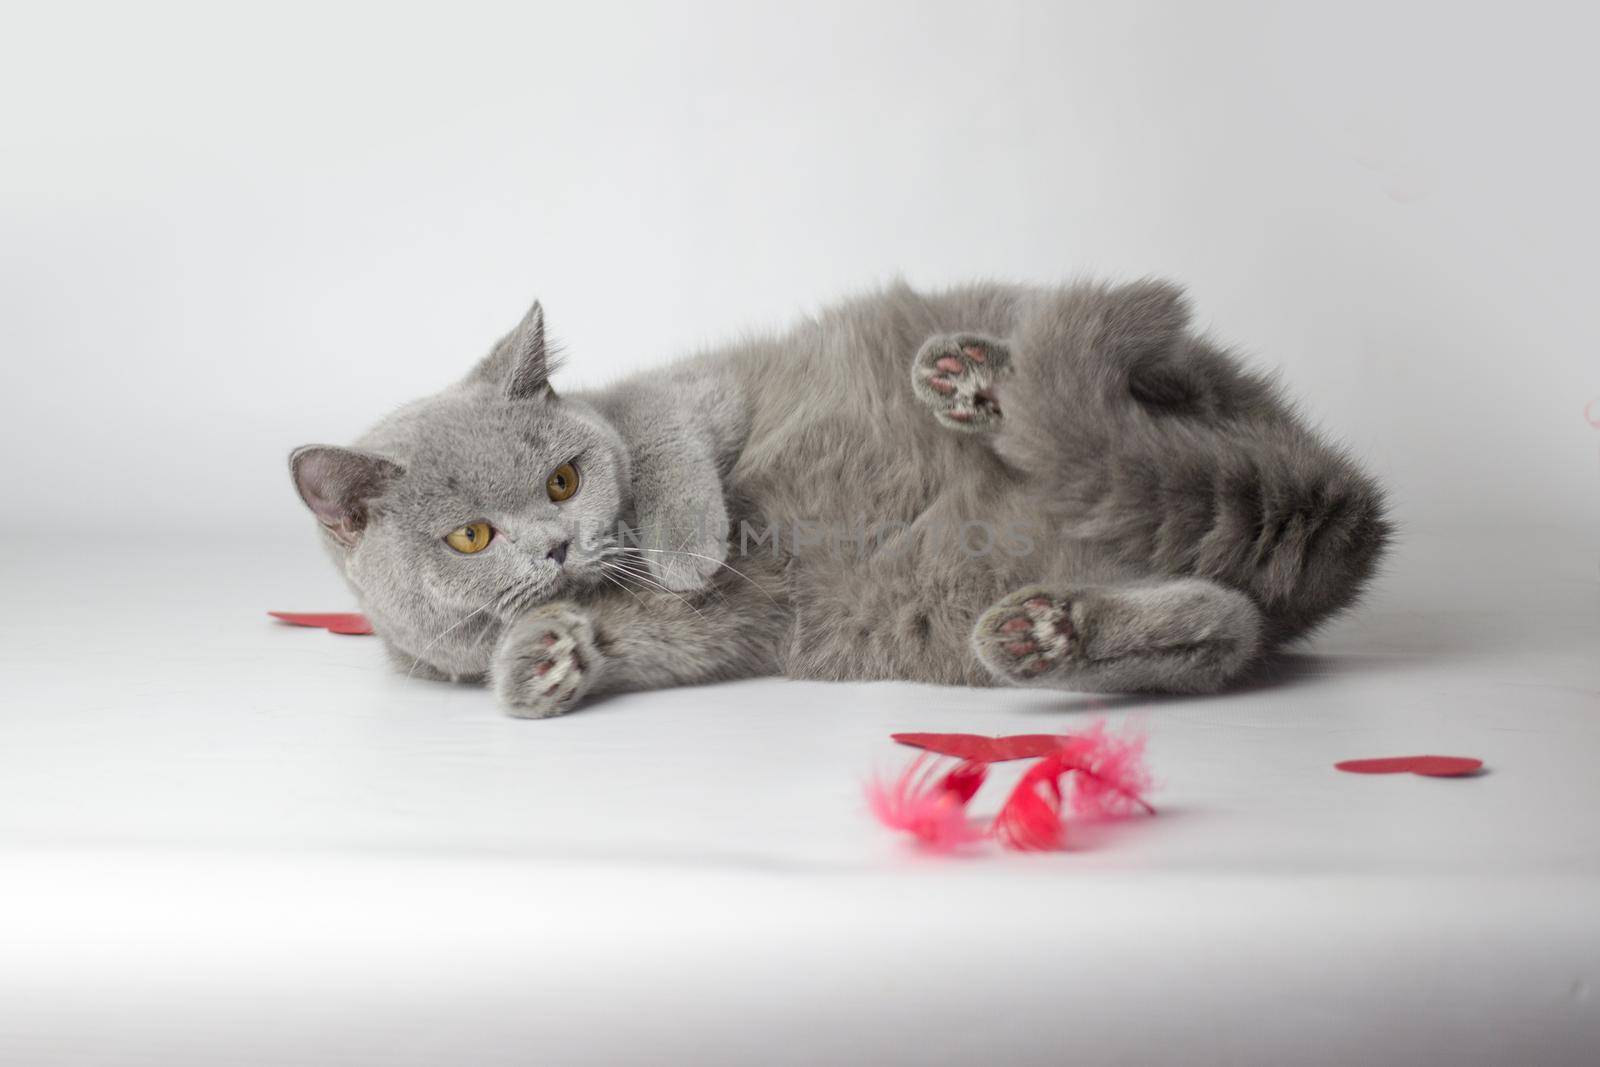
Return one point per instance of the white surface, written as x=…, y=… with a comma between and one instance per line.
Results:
x=228, y=841
x=266, y=224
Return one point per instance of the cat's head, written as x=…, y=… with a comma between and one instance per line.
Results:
x=456, y=513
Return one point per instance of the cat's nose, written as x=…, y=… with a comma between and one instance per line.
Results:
x=559, y=553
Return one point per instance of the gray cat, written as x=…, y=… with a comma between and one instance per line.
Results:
x=1059, y=487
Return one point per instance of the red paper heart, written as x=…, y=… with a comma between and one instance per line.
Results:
x=984, y=749
x=345, y=622
x=1429, y=766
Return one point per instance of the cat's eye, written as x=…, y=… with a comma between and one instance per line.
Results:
x=473, y=537
x=562, y=483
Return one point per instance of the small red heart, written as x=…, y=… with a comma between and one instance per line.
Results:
x=1429, y=766
x=984, y=749
x=338, y=622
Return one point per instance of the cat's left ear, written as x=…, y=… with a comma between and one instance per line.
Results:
x=521, y=363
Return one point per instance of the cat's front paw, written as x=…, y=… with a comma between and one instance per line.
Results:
x=958, y=375
x=546, y=662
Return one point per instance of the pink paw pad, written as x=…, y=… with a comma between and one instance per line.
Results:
x=959, y=375
x=1028, y=634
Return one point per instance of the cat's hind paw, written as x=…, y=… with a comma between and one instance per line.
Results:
x=958, y=375
x=1183, y=635
x=545, y=662
x=1026, y=635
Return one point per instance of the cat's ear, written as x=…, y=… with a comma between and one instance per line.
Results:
x=530, y=367
x=521, y=363
x=338, y=484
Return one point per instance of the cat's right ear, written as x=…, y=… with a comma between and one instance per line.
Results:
x=338, y=485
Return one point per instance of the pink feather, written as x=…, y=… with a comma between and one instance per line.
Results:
x=1112, y=778
x=1030, y=820
x=929, y=805
x=1109, y=777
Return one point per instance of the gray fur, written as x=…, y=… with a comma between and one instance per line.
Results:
x=1164, y=518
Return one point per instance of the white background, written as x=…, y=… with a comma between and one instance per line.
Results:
x=232, y=229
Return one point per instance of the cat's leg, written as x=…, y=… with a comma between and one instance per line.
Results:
x=1174, y=636
x=959, y=375
x=550, y=660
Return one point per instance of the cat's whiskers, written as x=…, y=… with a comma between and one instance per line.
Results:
x=613, y=581
x=725, y=566
x=681, y=551
x=642, y=576
x=649, y=583
x=641, y=568
x=513, y=590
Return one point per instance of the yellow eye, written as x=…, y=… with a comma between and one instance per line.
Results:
x=473, y=537
x=562, y=483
